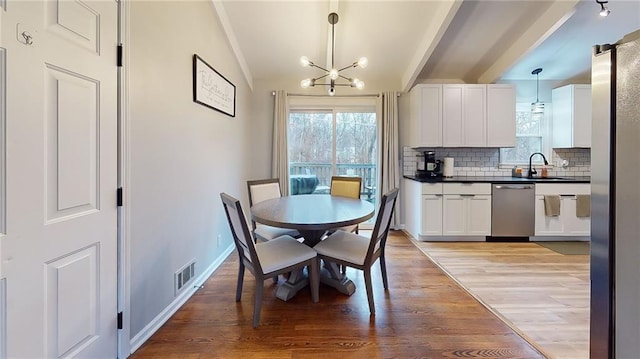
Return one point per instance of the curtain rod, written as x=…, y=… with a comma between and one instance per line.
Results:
x=273, y=93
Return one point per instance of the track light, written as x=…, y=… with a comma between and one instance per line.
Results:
x=333, y=73
x=604, y=10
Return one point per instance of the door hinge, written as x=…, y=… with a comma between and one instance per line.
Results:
x=120, y=320
x=119, y=194
x=119, y=60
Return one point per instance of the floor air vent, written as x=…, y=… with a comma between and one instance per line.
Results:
x=184, y=275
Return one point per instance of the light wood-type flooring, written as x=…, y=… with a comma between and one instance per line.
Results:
x=544, y=294
x=424, y=314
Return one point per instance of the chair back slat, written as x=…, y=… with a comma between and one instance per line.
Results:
x=239, y=230
x=346, y=186
x=381, y=228
x=262, y=190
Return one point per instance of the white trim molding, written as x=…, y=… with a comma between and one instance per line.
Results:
x=3, y=162
x=233, y=41
x=160, y=319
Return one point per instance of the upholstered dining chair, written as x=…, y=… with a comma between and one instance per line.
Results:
x=346, y=186
x=261, y=190
x=356, y=251
x=267, y=259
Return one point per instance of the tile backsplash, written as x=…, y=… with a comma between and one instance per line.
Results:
x=486, y=161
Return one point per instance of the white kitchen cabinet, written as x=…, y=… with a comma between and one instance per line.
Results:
x=466, y=209
x=501, y=115
x=464, y=115
x=571, y=116
x=426, y=116
x=423, y=208
x=567, y=223
x=431, y=215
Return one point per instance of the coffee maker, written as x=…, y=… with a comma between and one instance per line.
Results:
x=428, y=166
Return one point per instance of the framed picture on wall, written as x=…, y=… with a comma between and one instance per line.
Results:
x=211, y=89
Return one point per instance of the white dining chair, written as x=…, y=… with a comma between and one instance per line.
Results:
x=356, y=251
x=267, y=259
x=262, y=190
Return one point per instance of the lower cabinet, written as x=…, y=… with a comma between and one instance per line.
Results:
x=567, y=223
x=431, y=215
x=466, y=215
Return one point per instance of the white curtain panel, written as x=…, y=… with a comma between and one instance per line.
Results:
x=389, y=148
x=280, y=162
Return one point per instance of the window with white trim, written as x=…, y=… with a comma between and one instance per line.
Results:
x=532, y=135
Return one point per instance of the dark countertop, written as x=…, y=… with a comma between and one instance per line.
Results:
x=490, y=179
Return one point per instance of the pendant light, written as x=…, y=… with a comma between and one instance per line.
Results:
x=537, y=108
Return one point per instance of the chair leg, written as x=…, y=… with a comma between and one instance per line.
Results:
x=240, y=281
x=257, y=306
x=367, y=282
x=383, y=269
x=314, y=279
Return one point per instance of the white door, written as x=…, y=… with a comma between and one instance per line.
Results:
x=59, y=247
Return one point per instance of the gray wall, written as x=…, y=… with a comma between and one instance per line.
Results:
x=182, y=154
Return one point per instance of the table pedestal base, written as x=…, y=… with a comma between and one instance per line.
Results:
x=297, y=280
x=330, y=275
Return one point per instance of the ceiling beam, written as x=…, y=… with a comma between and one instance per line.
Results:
x=548, y=22
x=233, y=41
x=444, y=14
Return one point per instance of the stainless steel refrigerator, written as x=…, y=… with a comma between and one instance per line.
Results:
x=615, y=200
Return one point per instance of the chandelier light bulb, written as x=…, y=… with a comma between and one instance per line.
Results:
x=304, y=61
x=363, y=62
x=333, y=74
x=604, y=12
x=360, y=85
x=306, y=83
x=332, y=91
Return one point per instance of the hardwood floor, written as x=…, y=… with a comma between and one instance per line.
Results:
x=544, y=294
x=424, y=314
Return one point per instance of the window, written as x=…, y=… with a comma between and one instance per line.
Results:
x=532, y=135
x=327, y=142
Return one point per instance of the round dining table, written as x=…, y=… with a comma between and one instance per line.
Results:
x=313, y=215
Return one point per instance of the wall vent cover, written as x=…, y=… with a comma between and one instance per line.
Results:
x=184, y=275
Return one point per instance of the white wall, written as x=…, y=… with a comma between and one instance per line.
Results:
x=182, y=154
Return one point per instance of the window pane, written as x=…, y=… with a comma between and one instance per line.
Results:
x=310, y=142
x=525, y=146
x=527, y=125
x=356, y=149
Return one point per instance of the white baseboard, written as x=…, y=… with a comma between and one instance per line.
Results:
x=160, y=319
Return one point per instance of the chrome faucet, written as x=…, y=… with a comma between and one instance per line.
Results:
x=532, y=170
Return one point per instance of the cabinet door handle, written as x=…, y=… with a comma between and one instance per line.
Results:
x=514, y=187
x=438, y=195
x=568, y=195
x=467, y=195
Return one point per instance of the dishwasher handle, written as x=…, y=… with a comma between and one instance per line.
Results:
x=513, y=187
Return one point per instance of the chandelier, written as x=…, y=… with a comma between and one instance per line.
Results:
x=333, y=74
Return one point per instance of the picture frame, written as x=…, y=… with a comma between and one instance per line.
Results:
x=211, y=89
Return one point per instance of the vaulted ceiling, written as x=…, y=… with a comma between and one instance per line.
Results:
x=409, y=41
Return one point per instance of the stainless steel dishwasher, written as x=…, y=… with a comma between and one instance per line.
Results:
x=513, y=210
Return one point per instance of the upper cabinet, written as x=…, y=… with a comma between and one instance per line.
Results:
x=571, y=116
x=501, y=115
x=462, y=115
x=426, y=116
